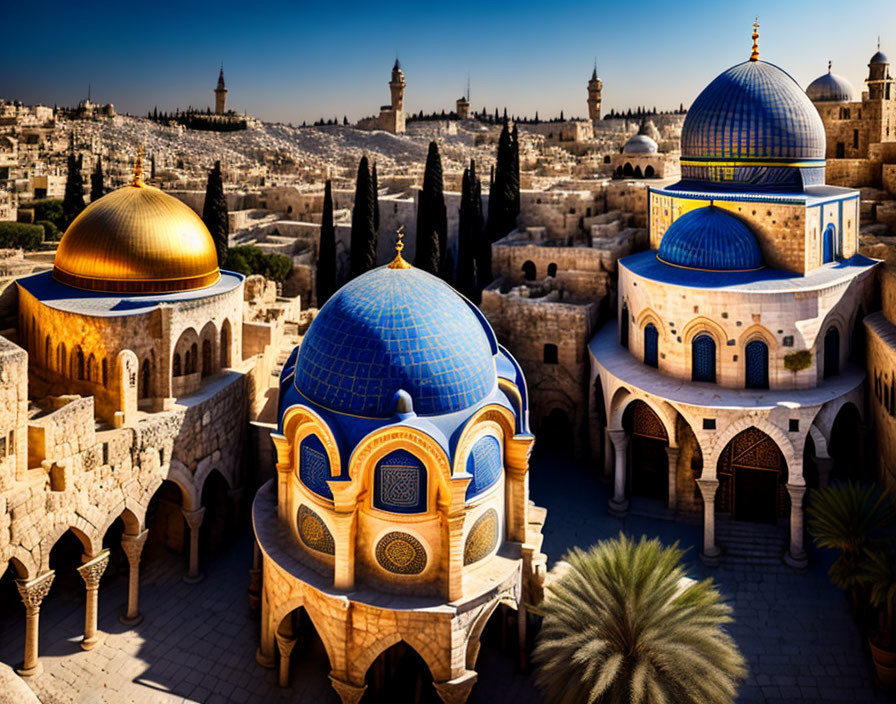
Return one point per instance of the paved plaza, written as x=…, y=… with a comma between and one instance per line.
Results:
x=197, y=642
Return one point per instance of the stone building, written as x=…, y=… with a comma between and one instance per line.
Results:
x=391, y=117
x=400, y=519
x=860, y=134
x=595, y=86
x=724, y=381
x=126, y=401
x=641, y=157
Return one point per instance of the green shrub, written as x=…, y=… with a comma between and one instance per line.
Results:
x=51, y=232
x=247, y=259
x=20, y=235
x=797, y=361
x=49, y=209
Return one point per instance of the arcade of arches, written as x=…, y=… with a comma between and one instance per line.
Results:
x=755, y=471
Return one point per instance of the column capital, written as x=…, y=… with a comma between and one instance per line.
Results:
x=133, y=545
x=33, y=591
x=348, y=693
x=285, y=644
x=672, y=452
x=194, y=518
x=456, y=691
x=796, y=491
x=619, y=437
x=93, y=569
x=708, y=488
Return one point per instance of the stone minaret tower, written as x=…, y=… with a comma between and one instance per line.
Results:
x=880, y=83
x=595, y=85
x=396, y=86
x=220, y=93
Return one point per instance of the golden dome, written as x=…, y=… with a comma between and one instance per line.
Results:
x=137, y=239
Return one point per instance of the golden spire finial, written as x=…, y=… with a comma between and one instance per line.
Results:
x=755, y=55
x=138, y=168
x=399, y=262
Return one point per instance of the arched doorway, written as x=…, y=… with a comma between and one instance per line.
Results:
x=399, y=674
x=828, y=244
x=831, y=352
x=703, y=358
x=627, y=170
x=529, y=270
x=216, y=527
x=845, y=446
x=165, y=518
x=555, y=434
x=648, y=470
x=651, y=345
x=752, y=473
x=145, y=379
x=756, y=365
x=206, y=358
x=623, y=326
x=649, y=171
x=225, y=345
x=552, y=269
x=308, y=660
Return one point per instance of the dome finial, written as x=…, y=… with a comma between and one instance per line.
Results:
x=138, y=168
x=755, y=55
x=830, y=64
x=399, y=262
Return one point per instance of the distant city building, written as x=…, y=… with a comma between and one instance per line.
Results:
x=220, y=94
x=391, y=117
x=595, y=86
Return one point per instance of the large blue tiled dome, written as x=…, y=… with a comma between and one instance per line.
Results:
x=710, y=239
x=753, y=127
x=391, y=330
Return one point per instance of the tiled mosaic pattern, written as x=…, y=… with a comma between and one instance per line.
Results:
x=314, y=466
x=401, y=553
x=710, y=239
x=399, y=483
x=485, y=464
x=314, y=532
x=395, y=329
x=482, y=538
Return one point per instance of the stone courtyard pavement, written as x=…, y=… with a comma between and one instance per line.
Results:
x=197, y=642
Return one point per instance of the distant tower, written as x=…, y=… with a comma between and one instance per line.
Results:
x=595, y=85
x=880, y=83
x=396, y=85
x=220, y=93
x=463, y=104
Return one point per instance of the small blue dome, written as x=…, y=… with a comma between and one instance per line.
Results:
x=830, y=87
x=640, y=144
x=391, y=330
x=879, y=58
x=753, y=126
x=710, y=239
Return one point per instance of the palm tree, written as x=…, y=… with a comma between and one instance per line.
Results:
x=850, y=518
x=624, y=625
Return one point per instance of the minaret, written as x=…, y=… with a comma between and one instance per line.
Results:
x=463, y=104
x=880, y=83
x=396, y=86
x=220, y=93
x=595, y=85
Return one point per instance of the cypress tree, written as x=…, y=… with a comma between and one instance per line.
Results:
x=152, y=166
x=326, y=253
x=501, y=198
x=376, y=200
x=466, y=256
x=432, y=217
x=73, y=201
x=214, y=212
x=515, y=172
x=363, y=240
x=96, y=181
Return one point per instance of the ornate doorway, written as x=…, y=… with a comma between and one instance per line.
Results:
x=648, y=462
x=751, y=478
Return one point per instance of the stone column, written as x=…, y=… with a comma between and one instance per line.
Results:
x=349, y=693
x=796, y=556
x=285, y=645
x=90, y=572
x=133, y=547
x=608, y=455
x=456, y=691
x=453, y=542
x=672, y=454
x=344, y=526
x=824, y=466
x=194, y=520
x=711, y=552
x=33, y=593
x=619, y=504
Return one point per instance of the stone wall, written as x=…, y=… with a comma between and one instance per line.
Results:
x=881, y=361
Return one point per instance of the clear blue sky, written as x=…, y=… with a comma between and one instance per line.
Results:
x=292, y=61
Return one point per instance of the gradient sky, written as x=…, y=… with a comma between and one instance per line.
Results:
x=291, y=62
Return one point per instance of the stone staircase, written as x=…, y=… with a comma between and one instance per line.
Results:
x=751, y=545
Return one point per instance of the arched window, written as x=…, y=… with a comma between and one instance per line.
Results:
x=314, y=466
x=529, y=272
x=48, y=353
x=552, y=269
x=187, y=362
x=61, y=359
x=623, y=326
x=627, y=170
x=703, y=358
x=828, y=244
x=80, y=367
x=756, y=354
x=399, y=483
x=206, y=357
x=145, y=380
x=550, y=354
x=91, y=368
x=651, y=344
x=225, y=345
x=194, y=354
x=831, y=352
x=484, y=464
x=105, y=366
x=175, y=365
x=649, y=171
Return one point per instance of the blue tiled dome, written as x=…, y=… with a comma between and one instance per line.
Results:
x=391, y=330
x=830, y=87
x=710, y=239
x=753, y=127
